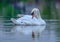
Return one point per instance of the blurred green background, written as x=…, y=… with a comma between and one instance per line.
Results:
x=49, y=8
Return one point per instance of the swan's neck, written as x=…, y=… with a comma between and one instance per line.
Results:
x=39, y=16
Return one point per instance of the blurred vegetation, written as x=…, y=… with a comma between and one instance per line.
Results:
x=49, y=9
x=7, y=8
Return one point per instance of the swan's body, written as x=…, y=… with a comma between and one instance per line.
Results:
x=28, y=20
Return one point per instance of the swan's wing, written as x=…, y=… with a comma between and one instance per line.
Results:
x=20, y=15
x=14, y=21
x=25, y=20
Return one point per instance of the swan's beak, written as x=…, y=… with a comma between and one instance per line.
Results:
x=33, y=15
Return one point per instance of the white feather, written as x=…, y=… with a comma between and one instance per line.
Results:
x=27, y=19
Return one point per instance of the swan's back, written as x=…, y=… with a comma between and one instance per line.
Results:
x=26, y=20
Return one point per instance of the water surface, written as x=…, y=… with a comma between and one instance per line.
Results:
x=11, y=33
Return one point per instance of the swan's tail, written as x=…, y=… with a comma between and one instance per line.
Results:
x=13, y=20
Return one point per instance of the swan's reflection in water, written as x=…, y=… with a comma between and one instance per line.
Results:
x=21, y=33
x=35, y=31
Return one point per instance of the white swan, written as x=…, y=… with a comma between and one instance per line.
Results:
x=33, y=19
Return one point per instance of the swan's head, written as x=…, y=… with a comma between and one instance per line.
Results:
x=36, y=12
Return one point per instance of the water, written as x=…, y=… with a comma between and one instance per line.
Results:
x=11, y=33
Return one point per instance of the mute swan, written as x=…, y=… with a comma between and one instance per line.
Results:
x=33, y=19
